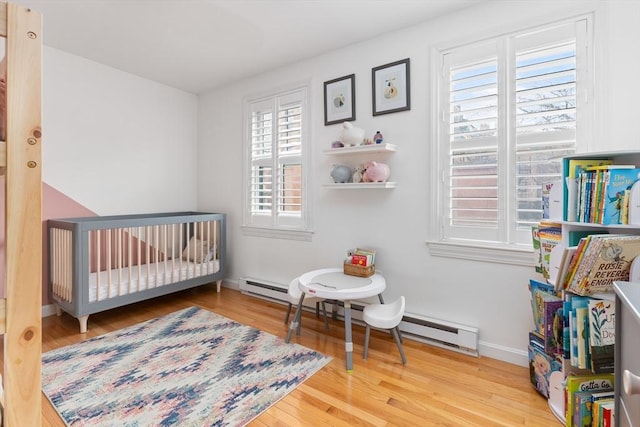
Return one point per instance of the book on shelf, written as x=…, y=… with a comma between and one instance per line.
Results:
x=577, y=342
x=541, y=366
x=582, y=333
x=574, y=169
x=586, y=407
x=602, y=333
x=593, y=383
x=548, y=308
x=588, y=332
x=616, y=195
x=550, y=234
x=552, y=200
x=537, y=254
x=564, y=266
x=576, y=258
x=603, y=411
x=607, y=258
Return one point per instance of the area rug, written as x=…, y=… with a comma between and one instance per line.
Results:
x=188, y=368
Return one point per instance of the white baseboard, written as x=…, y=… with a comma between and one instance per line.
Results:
x=48, y=310
x=506, y=354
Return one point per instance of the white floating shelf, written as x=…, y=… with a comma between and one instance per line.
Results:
x=361, y=185
x=362, y=149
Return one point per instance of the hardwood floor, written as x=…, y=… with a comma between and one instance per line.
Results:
x=436, y=387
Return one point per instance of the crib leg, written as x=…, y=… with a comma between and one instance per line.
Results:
x=83, y=320
x=58, y=311
x=218, y=285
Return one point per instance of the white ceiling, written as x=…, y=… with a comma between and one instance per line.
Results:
x=195, y=45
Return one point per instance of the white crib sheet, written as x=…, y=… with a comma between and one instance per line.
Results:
x=127, y=280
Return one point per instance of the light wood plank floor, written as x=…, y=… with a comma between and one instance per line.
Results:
x=436, y=387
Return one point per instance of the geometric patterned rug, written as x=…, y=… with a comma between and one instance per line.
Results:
x=189, y=368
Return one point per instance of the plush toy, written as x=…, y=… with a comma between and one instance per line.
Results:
x=341, y=173
x=375, y=172
x=351, y=135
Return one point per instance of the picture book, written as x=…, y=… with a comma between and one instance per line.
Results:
x=584, y=383
x=552, y=313
x=582, y=405
x=582, y=331
x=543, y=301
x=590, y=253
x=575, y=261
x=546, y=198
x=535, y=240
x=563, y=268
x=541, y=365
x=536, y=341
x=619, y=183
x=576, y=326
x=602, y=333
x=543, y=286
x=611, y=261
x=550, y=234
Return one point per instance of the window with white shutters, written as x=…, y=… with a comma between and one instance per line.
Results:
x=276, y=191
x=510, y=107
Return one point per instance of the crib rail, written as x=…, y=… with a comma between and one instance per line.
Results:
x=96, y=259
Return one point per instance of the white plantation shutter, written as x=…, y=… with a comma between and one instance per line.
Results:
x=473, y=139
x=509, y=109
x=276, y=155
x=261, y=153
x=545, y=115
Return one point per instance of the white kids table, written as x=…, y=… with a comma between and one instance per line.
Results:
x=333, y=284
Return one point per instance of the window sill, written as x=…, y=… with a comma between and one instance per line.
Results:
x=274, y=233
x=497, y=254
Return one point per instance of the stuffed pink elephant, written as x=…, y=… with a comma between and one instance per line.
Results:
x=375, y=172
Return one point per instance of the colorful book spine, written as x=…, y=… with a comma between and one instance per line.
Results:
x=620, y=183
x=575, y=261
x=584, y=383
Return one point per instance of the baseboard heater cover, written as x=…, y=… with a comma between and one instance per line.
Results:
x=441, y=333
x=263, y=289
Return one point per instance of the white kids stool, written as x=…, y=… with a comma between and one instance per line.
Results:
x=384, y=316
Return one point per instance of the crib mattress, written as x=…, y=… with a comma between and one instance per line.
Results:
x=124, y=281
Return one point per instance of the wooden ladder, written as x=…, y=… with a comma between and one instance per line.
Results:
x=21, y=165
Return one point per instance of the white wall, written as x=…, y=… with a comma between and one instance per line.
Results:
x=490, y=296
x=114, y=142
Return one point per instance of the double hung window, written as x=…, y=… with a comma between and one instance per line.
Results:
x=276, y=191
x=508, y=109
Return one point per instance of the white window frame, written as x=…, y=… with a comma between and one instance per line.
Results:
x=512, y=249
x=278, y=225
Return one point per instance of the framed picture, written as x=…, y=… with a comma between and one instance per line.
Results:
x=340, y=100
x=391, y=91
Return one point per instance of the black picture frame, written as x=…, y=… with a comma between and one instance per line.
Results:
x=391, y=89
x=340, y=100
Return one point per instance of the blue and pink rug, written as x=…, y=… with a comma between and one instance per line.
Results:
x=188, y=368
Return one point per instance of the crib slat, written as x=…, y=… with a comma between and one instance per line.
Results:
x=130, y=257
x=139, y=254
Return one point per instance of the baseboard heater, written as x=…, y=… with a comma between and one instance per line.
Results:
x=441, y=333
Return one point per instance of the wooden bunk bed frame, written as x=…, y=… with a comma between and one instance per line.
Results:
x=20, y=163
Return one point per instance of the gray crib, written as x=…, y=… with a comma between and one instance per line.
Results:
x=103, y=262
